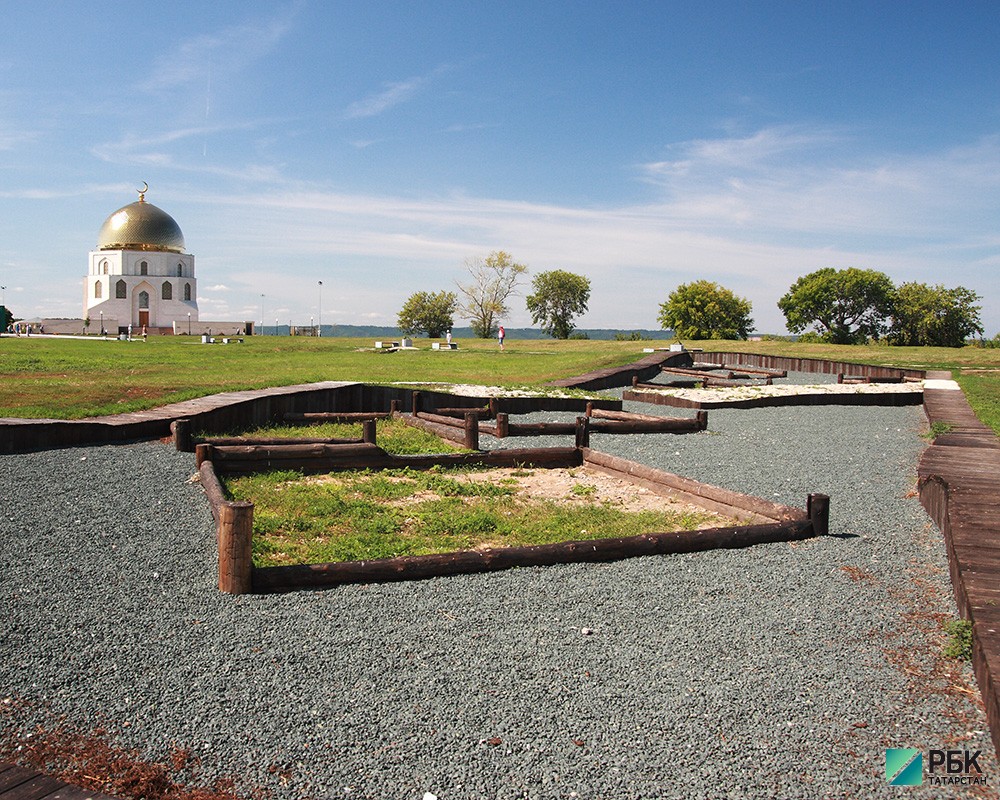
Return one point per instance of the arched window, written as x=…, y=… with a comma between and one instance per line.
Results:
x=167, y=292
x=144, y=300
x=104, y=267
x=143, y=268
x=180, y=270
x=97, y=289
x=120, y=291
x=187, y=292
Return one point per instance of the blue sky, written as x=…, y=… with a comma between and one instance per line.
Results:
x=378, y=146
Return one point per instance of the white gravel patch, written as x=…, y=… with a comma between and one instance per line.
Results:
x=729, y=393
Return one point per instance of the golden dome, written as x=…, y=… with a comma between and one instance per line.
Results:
x=141, y=226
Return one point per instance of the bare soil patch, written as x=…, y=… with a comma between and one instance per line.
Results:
x=576, y=486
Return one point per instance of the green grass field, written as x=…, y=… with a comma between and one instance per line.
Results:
x=73, y=378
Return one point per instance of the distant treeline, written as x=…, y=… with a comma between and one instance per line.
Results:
x=386, y=332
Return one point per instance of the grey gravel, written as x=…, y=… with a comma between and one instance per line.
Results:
x=776, y=671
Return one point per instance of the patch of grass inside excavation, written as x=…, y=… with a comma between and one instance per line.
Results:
x=353, y=516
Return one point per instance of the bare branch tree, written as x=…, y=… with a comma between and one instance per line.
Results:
x=484, y=299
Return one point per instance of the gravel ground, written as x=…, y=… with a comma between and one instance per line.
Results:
x=776, y=671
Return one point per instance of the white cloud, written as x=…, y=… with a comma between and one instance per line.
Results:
x=199, y=59
x=391, y=95
x=804, y=182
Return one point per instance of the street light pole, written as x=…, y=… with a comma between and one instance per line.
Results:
x=320, y=332
x=189, y=323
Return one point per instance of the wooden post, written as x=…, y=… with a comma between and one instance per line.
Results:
x=471, y=430
x=394, y=407
x=635, y=380
x=582, y=432
x=503, y=425
x=494, y=407
x=368, y=431
x=235, y=534
x=840, y=377
x=202, y=452
x=415, y=403
x=183, y=438
x=818, y=508
x=702, y=417
x=590, y=409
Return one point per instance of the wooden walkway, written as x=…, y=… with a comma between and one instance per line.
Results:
x=20, y=783
x=959, y=483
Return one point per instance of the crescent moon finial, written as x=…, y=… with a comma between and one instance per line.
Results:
x=142, y=191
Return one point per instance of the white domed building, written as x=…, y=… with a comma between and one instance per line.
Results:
x=139, y=275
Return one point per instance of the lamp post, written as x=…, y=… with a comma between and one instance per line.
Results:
x=189, y=323
x=320, y=332
x=102, y=323
x=310, y=323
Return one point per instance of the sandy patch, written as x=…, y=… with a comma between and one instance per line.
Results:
x=576, y=486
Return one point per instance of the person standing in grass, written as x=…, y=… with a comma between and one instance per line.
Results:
x=501, y=333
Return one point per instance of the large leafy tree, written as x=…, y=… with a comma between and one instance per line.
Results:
x=428, y=312
x=846, y=306
x=484, y=298
x=934, y=316
x=705, y=310
x=558, y=297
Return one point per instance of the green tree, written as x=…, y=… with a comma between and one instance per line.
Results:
x=484, y=298
x=6, y=318
x=705, y=310
x=558, y=297
x=846, y=306
x=933, y=316
x=428, y=312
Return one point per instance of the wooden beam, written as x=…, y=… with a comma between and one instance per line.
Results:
x=316, y=576
x=712, y=498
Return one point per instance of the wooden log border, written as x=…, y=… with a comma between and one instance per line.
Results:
x=268, y=580
x=771, y=522
x=649, y=367
x=229, y=411
x=597, y=420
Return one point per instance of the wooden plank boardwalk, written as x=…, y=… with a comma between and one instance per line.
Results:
x=21, y=783
x=959, y=484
